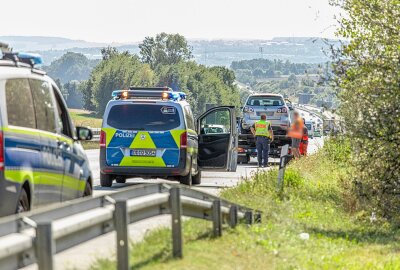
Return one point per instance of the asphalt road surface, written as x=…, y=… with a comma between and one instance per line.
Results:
x=211, y=182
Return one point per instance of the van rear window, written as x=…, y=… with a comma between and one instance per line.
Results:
x=143, y=117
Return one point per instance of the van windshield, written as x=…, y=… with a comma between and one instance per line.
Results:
x=265, y=101
x=143, y=117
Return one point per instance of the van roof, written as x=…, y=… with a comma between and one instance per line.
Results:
x=9, y=69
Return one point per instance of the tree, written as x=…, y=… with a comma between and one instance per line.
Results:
x=71, y=66
x=119, y=71
x=164, y=49
x=108, y=52
x=368, y=76
x=74, y=97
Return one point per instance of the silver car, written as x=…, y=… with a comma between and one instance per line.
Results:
x=274, y=106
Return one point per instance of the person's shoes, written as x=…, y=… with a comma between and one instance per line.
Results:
x=260, y=165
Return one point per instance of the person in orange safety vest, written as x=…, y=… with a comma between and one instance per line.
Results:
x=296, y=133
x=304, y=140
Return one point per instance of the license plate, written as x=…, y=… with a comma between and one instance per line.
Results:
x=143, y=153
x=266, y=113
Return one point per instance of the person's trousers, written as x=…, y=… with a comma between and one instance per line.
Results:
x=262, y=144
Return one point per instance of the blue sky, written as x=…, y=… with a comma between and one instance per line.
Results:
x=132, y=20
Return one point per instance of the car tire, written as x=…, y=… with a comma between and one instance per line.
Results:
x=88, y=190
x=196, y=179
x=120, y=180
x=23, y=202
x=187, y=179
x=106, y=180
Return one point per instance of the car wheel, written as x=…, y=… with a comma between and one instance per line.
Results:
x=120, y=180
x=106, y=180
x=88, y=190
x=187, y=179
x=196, y=179
x=23, y=202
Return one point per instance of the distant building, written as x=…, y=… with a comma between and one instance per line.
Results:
x=305, y=98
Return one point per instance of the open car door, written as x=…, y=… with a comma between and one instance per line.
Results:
x=218, y=139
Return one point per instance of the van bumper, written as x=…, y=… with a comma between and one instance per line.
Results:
x=182, y=169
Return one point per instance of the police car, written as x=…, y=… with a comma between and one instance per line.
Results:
x=151, y=132
x=41, y=160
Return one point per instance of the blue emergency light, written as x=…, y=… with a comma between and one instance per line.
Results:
x=149, y=93
x=33, y=58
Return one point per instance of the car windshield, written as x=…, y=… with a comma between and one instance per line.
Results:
x=265, y=101
x=143, y=117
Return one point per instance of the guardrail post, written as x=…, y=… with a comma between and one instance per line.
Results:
x=217, y=218
x=248, y=215
x=233, y=216
x=45, y=246
x=257, y=217
x=121, y=227
x=176, y=218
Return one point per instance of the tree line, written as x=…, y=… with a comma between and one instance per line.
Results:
x=164, y=60
x=250, y=71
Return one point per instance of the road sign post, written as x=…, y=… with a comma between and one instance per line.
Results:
x=282, y=166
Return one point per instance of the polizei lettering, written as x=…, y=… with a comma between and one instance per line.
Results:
x=124, y=135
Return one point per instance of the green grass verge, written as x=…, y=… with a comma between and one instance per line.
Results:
x=85, y=118
x=317, y=201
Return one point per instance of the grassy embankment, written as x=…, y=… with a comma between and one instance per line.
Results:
x=317, y=201
x=86, y=119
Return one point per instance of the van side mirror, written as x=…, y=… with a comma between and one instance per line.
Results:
x=84, y=134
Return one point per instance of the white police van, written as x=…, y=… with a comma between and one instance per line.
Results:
x=41, y=158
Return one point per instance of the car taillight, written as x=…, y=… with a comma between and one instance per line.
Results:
x=282, y=110
x=102, y=139
x=1, y=151
x=248, y=109
x=184, y=140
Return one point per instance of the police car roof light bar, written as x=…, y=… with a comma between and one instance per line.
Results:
x=148, y=94
x=31, y=59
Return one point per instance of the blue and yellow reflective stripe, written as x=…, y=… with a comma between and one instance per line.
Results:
x=38, y=177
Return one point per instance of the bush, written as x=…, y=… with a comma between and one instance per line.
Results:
x=368, y=75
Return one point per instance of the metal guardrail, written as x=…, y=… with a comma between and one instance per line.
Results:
x=36, y=236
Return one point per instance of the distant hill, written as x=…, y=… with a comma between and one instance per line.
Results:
x=207, y=52
x=38, y=43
